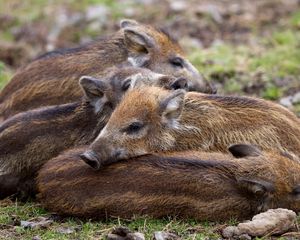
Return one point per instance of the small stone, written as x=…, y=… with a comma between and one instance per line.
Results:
x=161, y=235
x=135, y=236
x=40, y=222
x=178, y=6
x=65, y=230
x=296, y=98
x=286, y=101
x=273, y=221
x=230, y=232
x=36, y=238
x=245, y=237
x=123, y=233
x=112, y=236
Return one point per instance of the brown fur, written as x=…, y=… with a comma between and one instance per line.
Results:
x=175, y=121
x=29, y=139
x=52, y=78
x=199, y=185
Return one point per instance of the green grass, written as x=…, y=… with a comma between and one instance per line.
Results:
x=273, y=57
x=11, y=213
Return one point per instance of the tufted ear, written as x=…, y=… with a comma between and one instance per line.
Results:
x=128, y=23
x=138, y=41
x=136, y=81
x=171, y=107
x=244, y=150
x=256, y=187
x=95, y=91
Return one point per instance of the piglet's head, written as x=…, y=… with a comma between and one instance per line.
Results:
x=141, y=124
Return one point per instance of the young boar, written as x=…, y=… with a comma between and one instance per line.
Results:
x=52, y=78
x=29, y=139
x=152, y=120
x=198, y=185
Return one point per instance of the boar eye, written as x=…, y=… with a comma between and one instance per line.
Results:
x=134, y=127
x=177, y=62
x=296, y=190
x=126, y=84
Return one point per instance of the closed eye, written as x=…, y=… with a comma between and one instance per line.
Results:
x=133, y=128
x=296, y=190
x=177, y=62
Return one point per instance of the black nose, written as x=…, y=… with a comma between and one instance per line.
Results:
x=91, y=158
x=179, y=83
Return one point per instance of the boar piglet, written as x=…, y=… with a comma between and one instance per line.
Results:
x=197, y=185
x=29, y=139
x=152, y=120
x=52, y=78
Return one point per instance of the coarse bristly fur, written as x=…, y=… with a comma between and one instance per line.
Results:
x=152, y=120
x=198, y=185
x=52, y=78
x=29, y=139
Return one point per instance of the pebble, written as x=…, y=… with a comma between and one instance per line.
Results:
x=286, y=101
x=178, y=6
x=296, y=98
x=161, y=235
x=274, y=222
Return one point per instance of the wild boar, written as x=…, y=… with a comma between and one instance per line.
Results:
x=198, y=185
x=52, y=78
x=29, y=139
x=150, y=120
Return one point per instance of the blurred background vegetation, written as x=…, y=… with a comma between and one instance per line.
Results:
x=246, y=47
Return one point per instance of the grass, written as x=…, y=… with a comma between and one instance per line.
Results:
x=5, y=74
x=12, y=213
x=275, y=57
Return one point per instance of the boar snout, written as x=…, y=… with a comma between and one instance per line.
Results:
x=91, y=158
x=99, y=158
x=205, y=88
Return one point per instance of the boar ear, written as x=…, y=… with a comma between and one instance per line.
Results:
x=128, y=23
x=171, y=106
x=244, y=150
x=136, y=81
x=256, y=187
x=138, y=44
x=94, y=90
